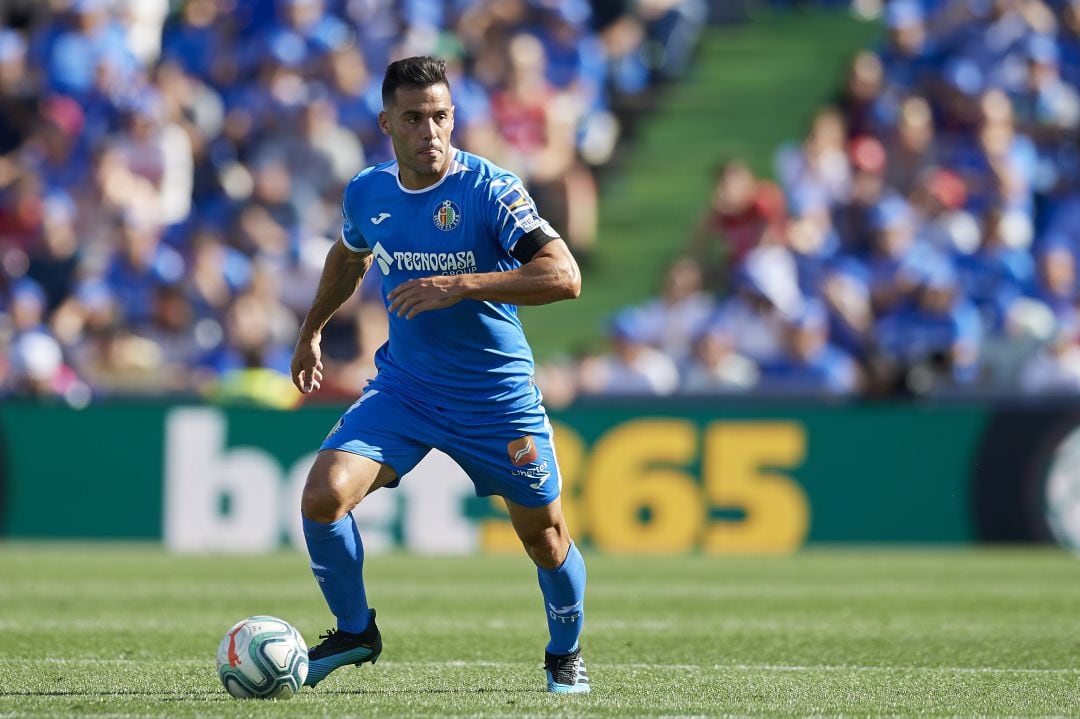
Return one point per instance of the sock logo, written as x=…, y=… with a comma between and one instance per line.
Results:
x=522, y=451
x=569, y=613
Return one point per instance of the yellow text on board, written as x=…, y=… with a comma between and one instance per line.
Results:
x=634, y=490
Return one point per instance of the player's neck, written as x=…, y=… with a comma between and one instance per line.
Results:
x=415, y=181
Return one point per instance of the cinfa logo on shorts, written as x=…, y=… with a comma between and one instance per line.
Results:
x=522, y=451
x=445, y=263
x=447, y=216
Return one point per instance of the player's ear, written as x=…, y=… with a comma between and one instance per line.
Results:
x=384, y=123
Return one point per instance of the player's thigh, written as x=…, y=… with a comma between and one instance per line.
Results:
x=338, y=480
x=374, y=443
x=383, y=428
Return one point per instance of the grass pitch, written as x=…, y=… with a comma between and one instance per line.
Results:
x=130, y=631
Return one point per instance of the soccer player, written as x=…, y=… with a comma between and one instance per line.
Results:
x=458, y=243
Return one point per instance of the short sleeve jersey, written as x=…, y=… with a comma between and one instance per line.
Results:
x=471, y=354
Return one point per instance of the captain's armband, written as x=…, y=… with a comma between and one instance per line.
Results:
x=530, y=243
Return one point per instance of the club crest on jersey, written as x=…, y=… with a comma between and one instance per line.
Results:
x=447, y=216
x=522, y=451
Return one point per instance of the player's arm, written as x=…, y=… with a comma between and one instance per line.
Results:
x=550, y=274
x=341, y=275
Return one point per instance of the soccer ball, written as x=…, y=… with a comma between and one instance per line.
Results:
x=262, y=657
x=1061, y=493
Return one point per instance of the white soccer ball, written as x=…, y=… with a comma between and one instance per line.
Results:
x=1062, y=492
x=262, y=657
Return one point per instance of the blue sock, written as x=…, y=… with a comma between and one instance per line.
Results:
x=564, y=600
x=337, y=560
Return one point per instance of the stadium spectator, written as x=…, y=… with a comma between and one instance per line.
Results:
x=934, y=341
x=743, y=212
x=810, y=364
x=867, y=110
x=853, y=217
x=36, y=371
x=996, y=274
x=819, y=166
x=1055, y=367
x=897, y=256
x=633, y=367
x=26, y=307
x=18, y=94
x=538, y=125
x=813, y=242
x=1056, y=284
x=908, y=55
x=54, y=258
x=913, y=148
x=716, y=367
x=90, y=53
x=1069, y=41
x=141, y=263
x=845, y=292
x=671, y=321
x=766, y=295
x=157, y=150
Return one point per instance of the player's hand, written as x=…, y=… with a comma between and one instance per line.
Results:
x=424, y=293
x=306, y=368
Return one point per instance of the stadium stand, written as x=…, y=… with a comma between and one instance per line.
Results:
x=170, y=174
x=920, y=240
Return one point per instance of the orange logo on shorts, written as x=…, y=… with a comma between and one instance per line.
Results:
x=522, y=451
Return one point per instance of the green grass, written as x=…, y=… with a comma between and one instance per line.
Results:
x=752, y=87
x=122, y=632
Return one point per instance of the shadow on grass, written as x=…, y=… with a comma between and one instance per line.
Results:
x=421, y=690
x=164, y=695
x=212, y=695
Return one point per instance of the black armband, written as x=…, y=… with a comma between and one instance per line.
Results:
x=530, y=243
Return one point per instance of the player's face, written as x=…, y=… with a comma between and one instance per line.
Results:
x=419, y=121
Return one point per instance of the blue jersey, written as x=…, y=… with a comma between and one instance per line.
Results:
x=472, y=353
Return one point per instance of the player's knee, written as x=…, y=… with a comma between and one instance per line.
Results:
x=325, y=498
x=548, y=547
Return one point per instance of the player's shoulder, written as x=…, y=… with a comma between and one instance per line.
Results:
x=375, y=173
x=487, y=172
x=369, y=176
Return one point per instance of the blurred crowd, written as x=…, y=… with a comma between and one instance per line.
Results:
x=921, y=240
x=171, y=172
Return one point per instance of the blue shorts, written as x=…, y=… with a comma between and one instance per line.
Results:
x=509, y=455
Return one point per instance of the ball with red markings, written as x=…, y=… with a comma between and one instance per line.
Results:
x=262, y=657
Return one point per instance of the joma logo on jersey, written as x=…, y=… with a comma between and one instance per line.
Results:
x=522, y=451
x=447, y=216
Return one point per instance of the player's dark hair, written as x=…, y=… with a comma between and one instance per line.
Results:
x=413, y=72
